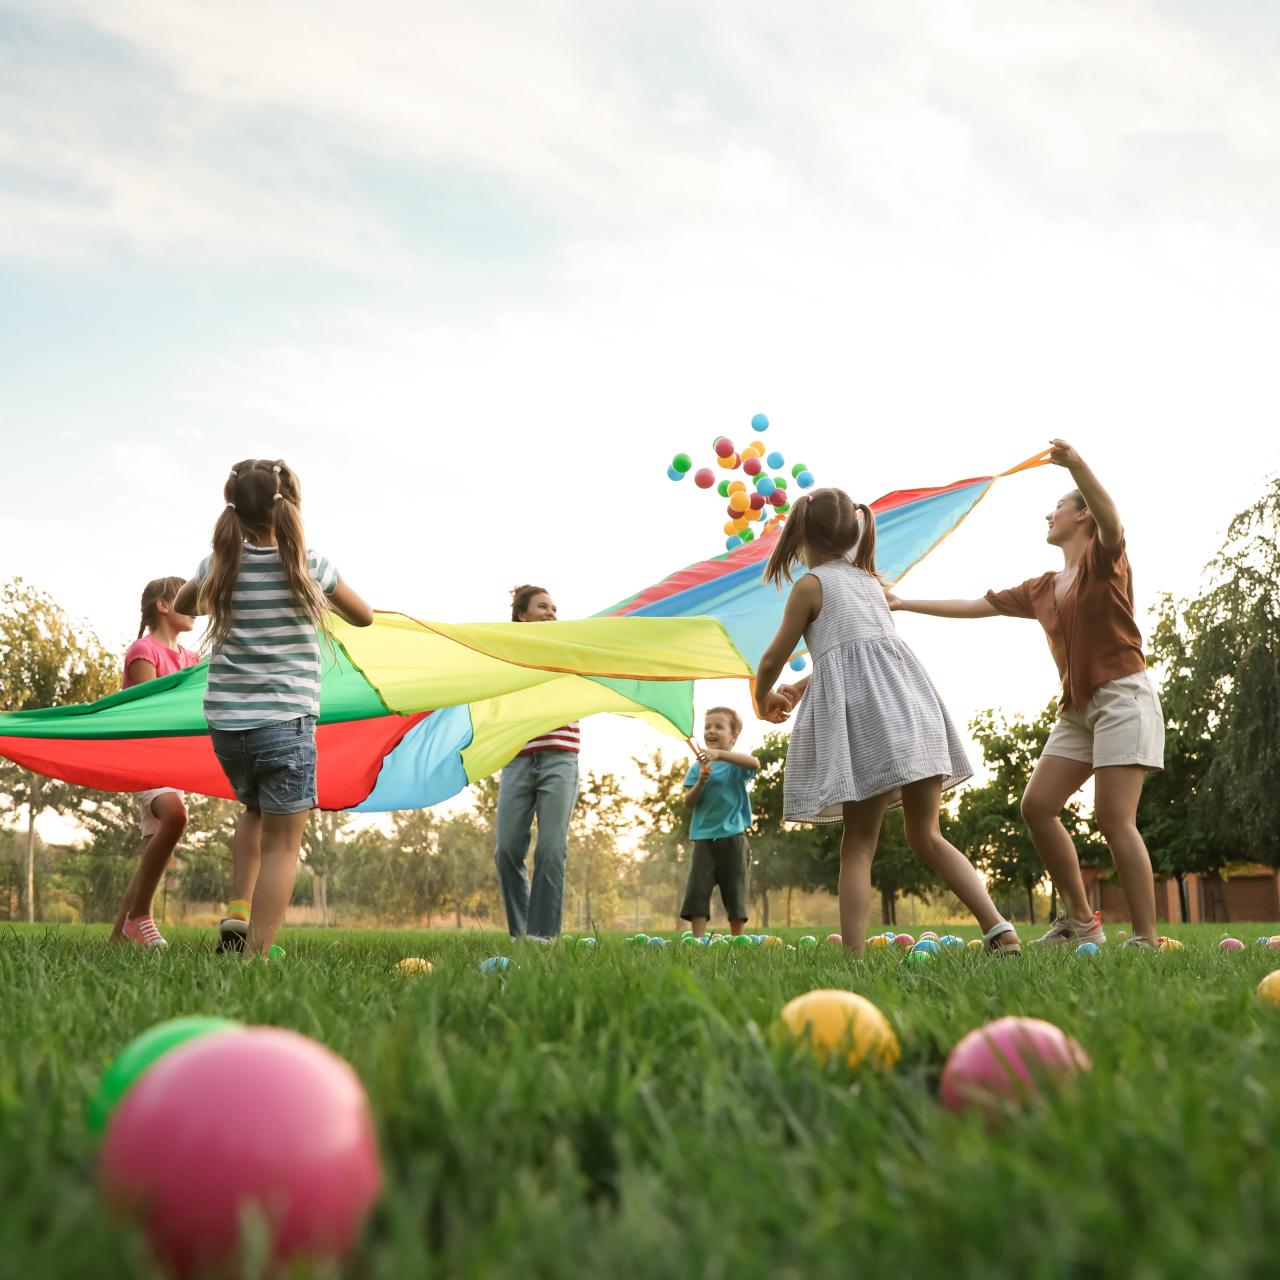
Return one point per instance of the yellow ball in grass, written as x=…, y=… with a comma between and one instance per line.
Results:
x=842, y=1021
x=974, y=942
x=1170, y=944
x=772, y=941
x=413, y=964
x=1269, y=987
x=878, y=940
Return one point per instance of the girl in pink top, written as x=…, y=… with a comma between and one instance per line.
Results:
x=163, y=810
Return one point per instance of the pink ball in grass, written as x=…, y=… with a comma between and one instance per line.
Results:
x=1231, y=944
x=259, y=1120
x=928, y=933
x=905, y=941
x=1273, y=944
x=1008, y=1060
x=835, y=938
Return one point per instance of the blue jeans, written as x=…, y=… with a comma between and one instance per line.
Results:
x=271, y=769
x=545, y=785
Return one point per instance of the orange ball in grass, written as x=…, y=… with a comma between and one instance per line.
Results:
x=835, y=1021
x=1269, y=987
x=412, y=965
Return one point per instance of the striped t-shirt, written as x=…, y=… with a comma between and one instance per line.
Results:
x=568, y=738
x=267, y=668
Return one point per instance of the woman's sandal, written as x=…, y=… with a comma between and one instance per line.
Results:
x=992, y=947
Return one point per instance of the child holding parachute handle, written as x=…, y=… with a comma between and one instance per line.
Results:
x=870, y=730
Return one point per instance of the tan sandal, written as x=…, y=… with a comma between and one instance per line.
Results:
x=995, y=948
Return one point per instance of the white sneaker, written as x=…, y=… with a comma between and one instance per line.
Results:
x=1067, y=932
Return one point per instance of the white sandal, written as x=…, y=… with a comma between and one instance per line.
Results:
x=992, y=947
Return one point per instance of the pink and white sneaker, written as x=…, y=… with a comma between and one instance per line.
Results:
x=142, y=931
x=1065, y=932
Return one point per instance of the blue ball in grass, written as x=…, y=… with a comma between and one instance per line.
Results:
x=657, y=942
x=704, y=941
x=950, y=940
x=1087, y=949
x=495, y=964
x=1264, y=941
x=928, y=946
x=760, y=423
x=585, y=944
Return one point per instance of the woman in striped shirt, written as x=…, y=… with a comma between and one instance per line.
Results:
x=266, y=594
x=541, y=781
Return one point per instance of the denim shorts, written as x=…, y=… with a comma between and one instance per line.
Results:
x=271, y=769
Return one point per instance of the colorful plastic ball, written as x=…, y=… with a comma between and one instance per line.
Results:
x=259, y=1121
x=1269, y=987
x=974, y=943
x=731, y=526
x=796, y=664
x=723, y=488
x=586, y=943
x=765, y=487
x=495, y=964
x=1007, y=1061
x=889, y=935
x=681, y=463
x=1169, y=944
x=877, y=940
x=780, y=481
x=686, y=933
x=719, y=942
x=797, y=469
x=915, y=956
x=760, y=423
x=1087, y=949
x=755, y=502
x=673, y=474
x=704, y=477
x=1273, y=943
x=739, y=502
x=784, y=508
x=276, y=952
x=842, y=1022
x=657, y=942
x=689, y=941
x=777, y=498
x=728, y=463
x=705, y=940
x=772, y=941
x=805, y=479
x=808, y=941
x=570, y=938
x=751, y=465
x=1263, y=941
x=904, y=940
x=139, y=1055
x=1230, y=944
x=950, y=940
x=413, y=964
x=928, y=933
x=927, y=946
x=724, y=447
x=737, y=486
x=747, y=535
x=640, y=937
x=835, y=938
x=733, y=542
x=741, y=940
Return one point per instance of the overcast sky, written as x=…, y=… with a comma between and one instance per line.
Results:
x=478, y=271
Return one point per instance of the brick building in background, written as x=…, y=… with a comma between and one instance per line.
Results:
x=1247, y=891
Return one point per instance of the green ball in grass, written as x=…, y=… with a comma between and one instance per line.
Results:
x=139, y=1055
x=275, y=952
x=808, y=941
x=741, y=940
x=719, y=942
x=920, y=957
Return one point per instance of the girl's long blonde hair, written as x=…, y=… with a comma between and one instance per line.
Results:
x=826, y=523
x=263, y=497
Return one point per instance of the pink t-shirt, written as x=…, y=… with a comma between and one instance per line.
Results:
x=165, y=660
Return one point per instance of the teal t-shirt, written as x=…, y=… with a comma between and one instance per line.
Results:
x=724, y=808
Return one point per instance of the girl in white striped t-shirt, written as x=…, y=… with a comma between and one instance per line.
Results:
x=266, y=593
x=543, y=781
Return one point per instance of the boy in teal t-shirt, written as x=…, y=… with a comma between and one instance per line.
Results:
x=716, y=792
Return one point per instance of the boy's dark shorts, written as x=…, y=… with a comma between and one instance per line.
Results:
x=724, y=862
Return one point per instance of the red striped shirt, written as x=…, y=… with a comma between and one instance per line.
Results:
x=568, y=738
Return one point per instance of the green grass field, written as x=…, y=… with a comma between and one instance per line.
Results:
x=628, y=1111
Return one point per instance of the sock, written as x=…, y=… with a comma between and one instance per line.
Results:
x=238, y=909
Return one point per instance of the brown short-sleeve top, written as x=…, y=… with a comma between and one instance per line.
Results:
x=1093, y=637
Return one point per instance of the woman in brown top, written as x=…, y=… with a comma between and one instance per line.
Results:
x=1110, y=724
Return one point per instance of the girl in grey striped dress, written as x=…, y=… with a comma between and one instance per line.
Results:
x=871, y=730
x=265, y=593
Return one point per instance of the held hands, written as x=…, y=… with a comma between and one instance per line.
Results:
x=775, y=707
x=1061, y=454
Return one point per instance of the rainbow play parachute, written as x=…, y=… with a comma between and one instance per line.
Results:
x=412, y=712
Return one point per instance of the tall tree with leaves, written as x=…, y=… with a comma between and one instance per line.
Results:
x=662, y=862
x=46, y=660
x=1219, y=655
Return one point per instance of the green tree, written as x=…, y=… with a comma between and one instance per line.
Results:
x=1219, y=660
x=46, y=660
x=595, y=860
x=660, y=866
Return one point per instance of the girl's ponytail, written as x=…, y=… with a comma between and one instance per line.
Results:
x=864, y=557
x=156, y=590
x=790, y=545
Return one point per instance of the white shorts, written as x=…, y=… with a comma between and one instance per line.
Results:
x=150, y=823
x=1123, y=724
